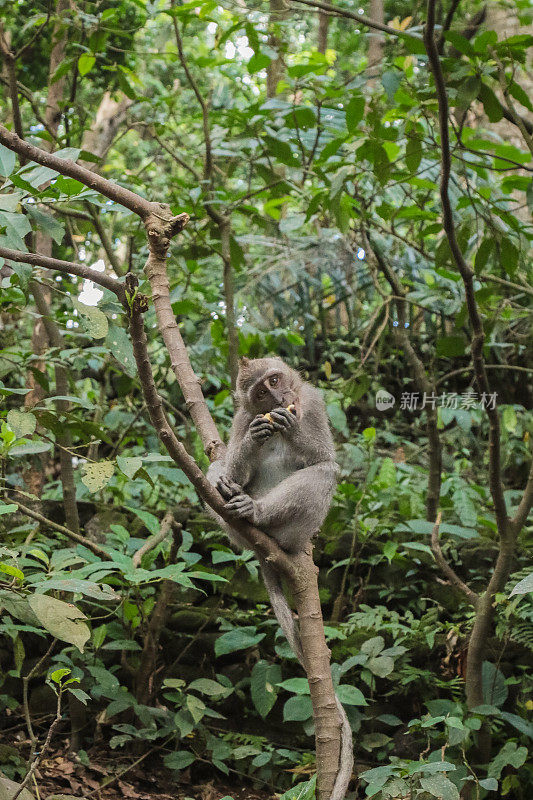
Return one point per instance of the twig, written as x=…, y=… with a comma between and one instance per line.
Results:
x=157, y=538
x=361, y=18
x=450, y=573
x=76, y=537
x=528, y=138
x=67, y=267
x=25, y=704
x=37, y=759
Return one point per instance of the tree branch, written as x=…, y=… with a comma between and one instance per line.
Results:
x=361, y=18
x=76, y=537
x=450, y=573
x=66, y=267
x=478, y=339
x=157, y=538
x=524, y=507
x=139, y=205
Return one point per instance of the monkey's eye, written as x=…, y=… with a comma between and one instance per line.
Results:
x=273, y=380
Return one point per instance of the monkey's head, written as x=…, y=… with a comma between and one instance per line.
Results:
x=267, y=383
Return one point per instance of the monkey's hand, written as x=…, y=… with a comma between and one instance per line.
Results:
x=283, y=420
x=261, y=429
x=241, y=506
x=228, y=489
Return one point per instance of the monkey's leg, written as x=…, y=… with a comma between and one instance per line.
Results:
x=293, y=511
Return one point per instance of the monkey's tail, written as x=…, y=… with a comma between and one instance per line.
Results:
x=281, y=609
x=289, y=627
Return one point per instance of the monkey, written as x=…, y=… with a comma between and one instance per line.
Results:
x=279, y=473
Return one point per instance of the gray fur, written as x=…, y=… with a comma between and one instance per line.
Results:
x=280, y=475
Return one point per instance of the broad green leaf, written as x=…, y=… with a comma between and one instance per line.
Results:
x=354, y=112
x=23, y=423
x=297, y=708
x=295, y=685
x=94, y=320
x=179, y=760
x=495, y=691
x=350, y=695
x=129, y=465
x=63, y=620
x=380, y=666
x=263, y=683
x=237, y=639
x=302, y=791
x=209, y=687
x=440, y=786
x=374, y=646
x=85, y=63
x=121, y=348
x=96, y=475
x=509, y=755
x=7, y=161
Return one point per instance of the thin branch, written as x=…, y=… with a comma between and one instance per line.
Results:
x=487, y=366
x=66, y=267
x=517, y=119
x=361, y=18
x=139, y=205
x=9, y=60
x=524, y=507
x=157, y=538
x=25, y=701
x=105, y=240
x=75, y=537
x=478, y=339
x=38, y=758
x=450, y=573
x=257, y=540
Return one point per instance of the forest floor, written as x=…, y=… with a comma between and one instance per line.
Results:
x=60, y=777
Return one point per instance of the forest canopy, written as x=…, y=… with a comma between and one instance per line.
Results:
x=346, y=187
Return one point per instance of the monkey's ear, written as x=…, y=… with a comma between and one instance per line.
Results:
x=244, y=364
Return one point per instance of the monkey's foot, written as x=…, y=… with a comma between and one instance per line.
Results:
x=227, y=488
x=241, y=506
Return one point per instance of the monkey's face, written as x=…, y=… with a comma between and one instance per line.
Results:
x=273, y=389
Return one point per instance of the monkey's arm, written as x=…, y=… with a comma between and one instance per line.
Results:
x=241, y=455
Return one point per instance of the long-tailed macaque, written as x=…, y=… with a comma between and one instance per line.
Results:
x=279, y=473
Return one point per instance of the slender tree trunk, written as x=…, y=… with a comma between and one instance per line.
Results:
x=278, y=14
x=229, y=299
x=376, y=40
x=323, y=29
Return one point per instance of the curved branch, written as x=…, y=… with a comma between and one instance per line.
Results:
x=361, y=18
x=66, y=267
x=139, y=205
x=450, y=573
x=157, y=538
x=467, y=275
x=76, y=537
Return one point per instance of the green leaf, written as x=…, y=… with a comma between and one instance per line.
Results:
x=460, y=43
x=7, y=508
x=495, y=691
x=297, y=708
x=96, y=475
x=209, y=687
x=237, y=639
x=63, y=620
x=509, y=419
x=374, y=646
x=121, y=348
x=491, y=104
x=95, y=321
x=380, y=666
x=150, y=520
x=7, y=161
x=129, y=465
x=264, y=679
x=302, y=791
x=490, y=784
x=509, y=755
x=354, y=112
x=23, y=423
x=440, y=786
x=295, y=685
x=85, y=63
x=179, y=760
x=522, y=587
x=350, y=695
x=45, y=222
x=519, y=723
